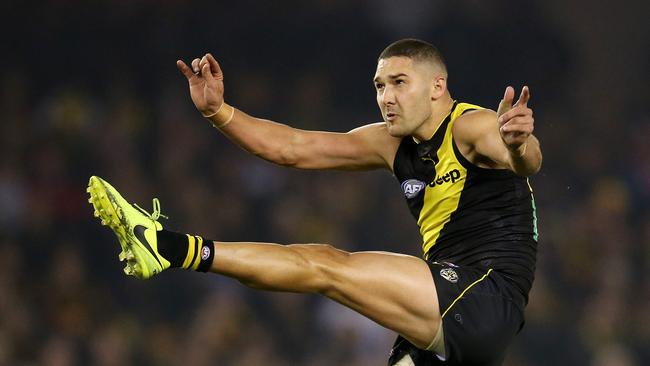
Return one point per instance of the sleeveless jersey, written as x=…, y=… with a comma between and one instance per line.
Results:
x=468, y=215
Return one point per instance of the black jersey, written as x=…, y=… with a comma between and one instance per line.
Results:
x=468, y=215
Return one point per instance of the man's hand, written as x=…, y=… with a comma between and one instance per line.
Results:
x=206, y=83
x=516, y=123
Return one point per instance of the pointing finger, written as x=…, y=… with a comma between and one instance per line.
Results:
x=524, y=97
x=184, y=69
x=506, y=103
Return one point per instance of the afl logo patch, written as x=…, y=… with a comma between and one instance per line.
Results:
x=412, y=187
x=449, y=274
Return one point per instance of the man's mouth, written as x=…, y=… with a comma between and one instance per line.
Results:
x=390, y=116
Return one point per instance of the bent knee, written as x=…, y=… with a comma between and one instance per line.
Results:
x=326, y=264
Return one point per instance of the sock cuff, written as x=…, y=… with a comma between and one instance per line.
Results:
x=207, y=256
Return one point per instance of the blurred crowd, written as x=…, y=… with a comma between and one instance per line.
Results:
x=91, y=89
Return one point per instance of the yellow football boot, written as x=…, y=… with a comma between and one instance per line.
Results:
x=135, y=228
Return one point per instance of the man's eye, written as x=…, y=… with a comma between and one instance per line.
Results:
x=379, y=86
x=399, y=81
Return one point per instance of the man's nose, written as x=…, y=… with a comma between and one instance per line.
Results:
x=388, y=97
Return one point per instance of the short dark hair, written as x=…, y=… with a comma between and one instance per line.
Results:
x=415, y=49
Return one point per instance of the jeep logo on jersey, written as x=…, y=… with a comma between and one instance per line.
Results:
x=412, y=187
x=451, y=176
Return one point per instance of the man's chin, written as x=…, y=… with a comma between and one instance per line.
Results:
x=396, y=131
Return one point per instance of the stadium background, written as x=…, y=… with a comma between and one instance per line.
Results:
x=92, y=88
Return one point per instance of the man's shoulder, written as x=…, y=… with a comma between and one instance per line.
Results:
x=376, y=138
x=473, y=121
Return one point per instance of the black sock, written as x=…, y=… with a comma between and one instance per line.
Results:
x=186, y=251
x=173, y=246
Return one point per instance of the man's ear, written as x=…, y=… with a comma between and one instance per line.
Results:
x=438, y=86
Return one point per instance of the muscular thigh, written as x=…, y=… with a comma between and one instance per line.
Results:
x=395, y=290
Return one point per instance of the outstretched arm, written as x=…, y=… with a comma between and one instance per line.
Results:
x=503, y=139
x=367, y=147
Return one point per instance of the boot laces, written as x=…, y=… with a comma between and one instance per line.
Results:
x=155, y=214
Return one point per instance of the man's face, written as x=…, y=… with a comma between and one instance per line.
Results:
x=404, y=91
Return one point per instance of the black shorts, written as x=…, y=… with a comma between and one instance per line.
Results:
x=481, y=313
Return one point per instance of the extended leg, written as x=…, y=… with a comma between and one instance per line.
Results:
x=396, y=291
